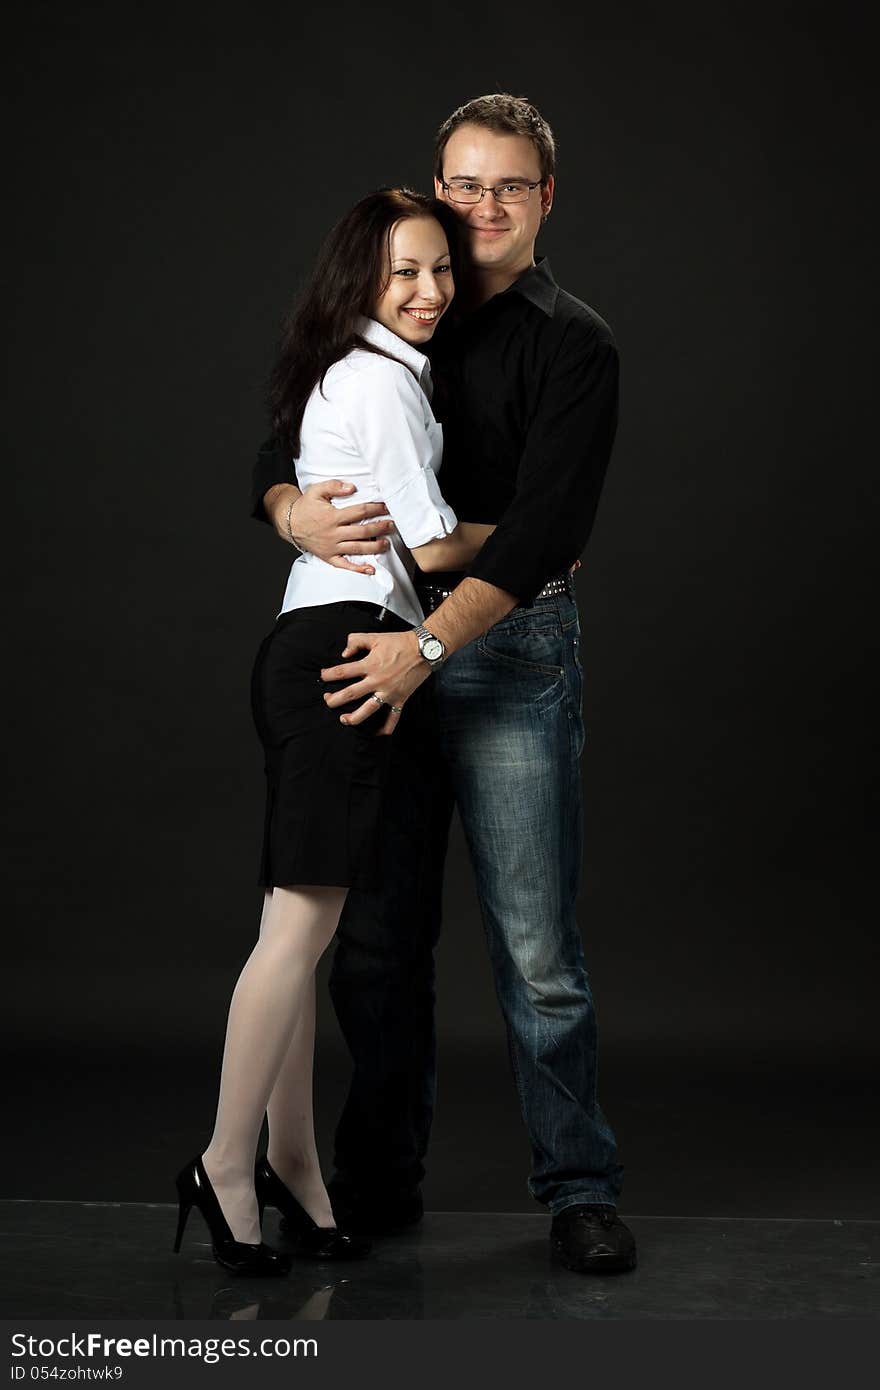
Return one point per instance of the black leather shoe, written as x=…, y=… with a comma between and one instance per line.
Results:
x=592, y=1240
x=254, y=1261
x=375, y=1214
x=320, y=1242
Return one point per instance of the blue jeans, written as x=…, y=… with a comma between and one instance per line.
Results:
x=497, y=731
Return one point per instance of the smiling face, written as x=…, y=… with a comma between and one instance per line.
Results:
x=419, y=280
x=499, y=238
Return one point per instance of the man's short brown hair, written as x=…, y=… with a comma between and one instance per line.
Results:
x=507, y=115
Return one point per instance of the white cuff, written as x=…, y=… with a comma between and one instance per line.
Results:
x=419, y=511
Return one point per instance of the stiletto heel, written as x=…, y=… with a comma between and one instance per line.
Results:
x=194, y=1190
x=183, y=1210
x=321, y=1242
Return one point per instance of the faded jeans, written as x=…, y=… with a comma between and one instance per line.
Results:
x=499, y=732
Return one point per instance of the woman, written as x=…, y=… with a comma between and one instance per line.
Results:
x=350, y=396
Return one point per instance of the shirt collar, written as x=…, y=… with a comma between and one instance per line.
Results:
x=537, y=286
x=381, y=337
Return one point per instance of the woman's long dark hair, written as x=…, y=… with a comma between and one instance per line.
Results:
x=346, y=282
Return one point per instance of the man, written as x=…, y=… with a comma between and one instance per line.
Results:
x=529, y=376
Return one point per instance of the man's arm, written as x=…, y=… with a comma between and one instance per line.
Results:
x=273, y=467
x=394, y=667
x=309, y=520
x=548, y=522
x=543, y=530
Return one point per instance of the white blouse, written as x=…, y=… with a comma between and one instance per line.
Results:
x=371, y=424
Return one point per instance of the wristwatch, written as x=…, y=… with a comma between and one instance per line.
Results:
x=431, y=648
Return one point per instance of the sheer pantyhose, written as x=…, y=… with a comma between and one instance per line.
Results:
x=267, y=1061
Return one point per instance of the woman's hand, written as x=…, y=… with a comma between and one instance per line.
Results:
x=392, y=669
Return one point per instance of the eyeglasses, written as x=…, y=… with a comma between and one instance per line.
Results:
x=465, y=191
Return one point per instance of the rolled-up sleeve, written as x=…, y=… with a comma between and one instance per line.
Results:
x=388, y=425
x=273, y=465
x=549, y=519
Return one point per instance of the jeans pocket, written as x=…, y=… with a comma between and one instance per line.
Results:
x=530, y=647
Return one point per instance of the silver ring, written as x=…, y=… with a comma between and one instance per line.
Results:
x=397, y=709
x=378, y=700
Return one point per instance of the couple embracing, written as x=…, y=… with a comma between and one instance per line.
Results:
x=447, y=413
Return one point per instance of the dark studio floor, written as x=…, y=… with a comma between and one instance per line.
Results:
x=752, y=1192
x=113, y=1260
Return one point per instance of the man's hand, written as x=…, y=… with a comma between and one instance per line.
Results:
x=332, y=533
x=392, y=669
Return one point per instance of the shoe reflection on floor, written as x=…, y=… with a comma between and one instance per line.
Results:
x=240, y=1306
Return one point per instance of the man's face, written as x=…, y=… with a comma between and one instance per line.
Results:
x=497, y=236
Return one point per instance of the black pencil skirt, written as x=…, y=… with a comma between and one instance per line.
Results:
x=325, y=780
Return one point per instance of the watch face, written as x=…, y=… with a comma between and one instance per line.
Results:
x=432, y=650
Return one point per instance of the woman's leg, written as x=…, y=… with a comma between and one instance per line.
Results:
x=275, y=986
x=293, y=1152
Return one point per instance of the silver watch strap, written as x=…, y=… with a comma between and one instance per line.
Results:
x=423, y=635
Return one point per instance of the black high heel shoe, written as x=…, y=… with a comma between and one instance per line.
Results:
x=194, y=1190
x=321, y=1242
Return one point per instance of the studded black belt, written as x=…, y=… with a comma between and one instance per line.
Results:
x=432, y=595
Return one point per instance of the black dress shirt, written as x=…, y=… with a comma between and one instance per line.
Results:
x=526, y=390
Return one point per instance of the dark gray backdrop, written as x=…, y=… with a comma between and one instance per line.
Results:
x=170, y=179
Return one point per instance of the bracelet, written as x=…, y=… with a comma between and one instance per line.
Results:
x=289, y=531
